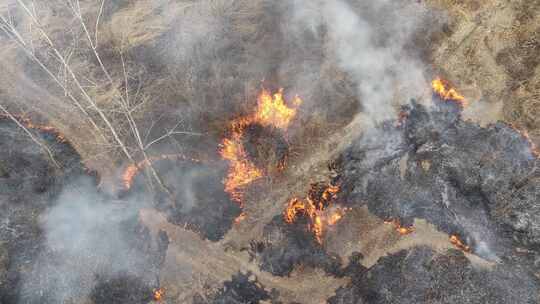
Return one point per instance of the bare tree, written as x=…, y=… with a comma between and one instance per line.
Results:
x=73, y=88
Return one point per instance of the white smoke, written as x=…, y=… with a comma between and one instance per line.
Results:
x=85, y=238
x=371, y=50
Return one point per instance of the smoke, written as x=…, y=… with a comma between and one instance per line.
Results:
x=88, y=239
x=370, y=42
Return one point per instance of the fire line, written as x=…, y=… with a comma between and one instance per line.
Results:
x=271, y=111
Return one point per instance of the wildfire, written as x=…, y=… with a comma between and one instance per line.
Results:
x=398, y=227
x=131, y=171
x=443, y=89
x=241, y=171
x=315, y=208
x=456, y=241
x=158, y=294
x=240, y=218
x=45, y=129
x=534, y=149
x=271, y=111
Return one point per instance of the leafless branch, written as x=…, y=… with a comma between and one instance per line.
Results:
x=97, y=21
x=34, y=139
x=169, y=133
x=91, y=102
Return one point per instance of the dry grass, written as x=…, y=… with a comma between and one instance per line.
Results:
x=146, y=67
x=168, y=70
x=491, y=53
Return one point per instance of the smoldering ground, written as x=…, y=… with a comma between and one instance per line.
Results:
x=180, y=72
x=89, y=239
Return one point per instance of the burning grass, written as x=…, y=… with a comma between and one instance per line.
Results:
x=272, y=114
x=317, y=208
x=132, y=171
x=44, y=129
x=402, y=230
x=456, y=241
x=158, y=294
x=447, y=92
x=451, y=172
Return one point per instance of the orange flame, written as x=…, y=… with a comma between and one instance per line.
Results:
x=336, y=216
x=131, y=171
x=441, y=87
x=534, y=149
x=158, y=294
x=456, y=241
x=399, y=228
x=45, y=129
x=240, y=218
x=271, y=111
x=241, y=171
x=316, y=212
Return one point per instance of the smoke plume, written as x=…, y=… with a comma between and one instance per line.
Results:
x=371, y=42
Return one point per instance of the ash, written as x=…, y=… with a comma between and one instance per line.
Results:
x=287, y=246
x=479, y=183
x=28, y=182
x=422, y=275
x=54, y=249
x=199, y=201
x=243, y=288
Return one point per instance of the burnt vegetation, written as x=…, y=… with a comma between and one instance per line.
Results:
x=454, y=173
x=169, y=170
x=242, y=288
x=478, y=183
x=196, y=198
x=266, y=147
x=421, y=275
x=28, y=183
x=31, y=187
x=287, y=246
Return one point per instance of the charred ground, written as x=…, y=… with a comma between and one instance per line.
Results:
x=30, y=190
x=469, y=181
x=479, y=184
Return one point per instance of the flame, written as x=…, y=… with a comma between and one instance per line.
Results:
x=240, y=218
x=131, y=171
x=317, y=212
x=335, y=217
x=441, y=87
x=158, y=294
x=241, y=171
x=534, y=149
x=271, y=111
x=43, y=128
x=399, y=228
x=456, y=241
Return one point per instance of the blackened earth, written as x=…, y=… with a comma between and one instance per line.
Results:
x=197, y=200
x=266, y=146
x=30, y=270
x=480, y=183
x=243, y=288
x=421, y=275
x=28, y=184
x=287, y=245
